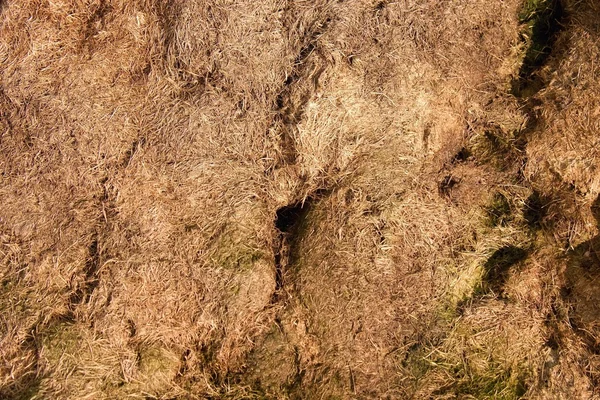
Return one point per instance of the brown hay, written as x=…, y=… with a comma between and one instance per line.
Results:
x=147, y=147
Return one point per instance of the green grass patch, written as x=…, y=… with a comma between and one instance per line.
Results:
x=498, y=211
x=233, y=253
x=495, y=383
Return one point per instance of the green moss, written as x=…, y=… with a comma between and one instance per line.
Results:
x=492, y=386
x=498, y=147
x=498, y=211
x=415, y=361
x=479, y=369
x=236, y=254
x=156, y=362
x=240, y=259
x=61, y=339
x=495, y=383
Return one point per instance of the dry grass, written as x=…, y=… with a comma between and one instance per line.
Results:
x=442, y=235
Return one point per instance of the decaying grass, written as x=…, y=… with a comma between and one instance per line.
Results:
x=299, y=199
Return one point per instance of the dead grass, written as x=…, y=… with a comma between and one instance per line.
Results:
x=447, y=242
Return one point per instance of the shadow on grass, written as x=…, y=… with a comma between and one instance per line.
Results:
x=497, y=268
x=582, y=291
x=542, y=21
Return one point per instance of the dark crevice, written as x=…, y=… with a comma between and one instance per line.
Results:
x=289, y=222
x=279, y=249
x=288, y=112
x=131, y=328
x=183, y=363
x=289, y=109
x=93, y=263
x=426, y=135
x=295, y=383
x=135, y=146
x=536, y=208
x=289, y=216
x=91, y=279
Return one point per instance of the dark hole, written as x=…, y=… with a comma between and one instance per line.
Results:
x=131, y=327
x=303, y=55
x=462, y=156
x=446, y=185
x=426, y=134
x=499, y=264
x=552, y=342
x=566, y=291
x=288, y=216
x=545, y=24
x=280, y=101
x=289, y=80
x=286, y=221
x=521, y=388
x=536, y=207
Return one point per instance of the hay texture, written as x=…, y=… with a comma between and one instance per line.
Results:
x=299, y=199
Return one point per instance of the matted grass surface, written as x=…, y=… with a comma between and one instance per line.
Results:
x=299, y=199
